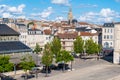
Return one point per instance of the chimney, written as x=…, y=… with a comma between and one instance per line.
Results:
x=34, y=27
x=79, y=33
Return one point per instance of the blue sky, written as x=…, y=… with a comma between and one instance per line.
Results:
x=94, y=11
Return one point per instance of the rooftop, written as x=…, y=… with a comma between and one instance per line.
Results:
x=5, y=30
x=13, y=47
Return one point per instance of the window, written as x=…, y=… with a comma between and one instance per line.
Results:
x=105, y=30
x=104, y=36
x=63, y=42
x=111, y=43
x=108, y=30
x=47, y=38
x=111, y=30
x=107, y=36
x=111, y=37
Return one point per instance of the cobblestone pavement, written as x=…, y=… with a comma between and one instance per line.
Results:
x=86, y=70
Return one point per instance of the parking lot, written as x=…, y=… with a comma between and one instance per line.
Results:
x=89, y=69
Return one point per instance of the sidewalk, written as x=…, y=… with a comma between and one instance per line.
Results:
x=12, y=73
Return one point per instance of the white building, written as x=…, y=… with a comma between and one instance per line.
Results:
x=22, y=29
x=39, y=37
x=108, y=36
x=68, y=38
x=116, y=57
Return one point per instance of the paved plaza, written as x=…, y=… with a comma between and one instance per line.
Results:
x=85, y=70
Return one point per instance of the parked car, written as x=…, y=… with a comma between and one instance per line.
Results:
x=27, y=75
x=75, y=55
x=61, y=66
x=53, y=67
x=44, y=69
x=4, y=77
x=34, y=70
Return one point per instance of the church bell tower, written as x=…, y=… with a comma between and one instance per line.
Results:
x=70, y=16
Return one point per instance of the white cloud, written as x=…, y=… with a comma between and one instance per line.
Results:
x=61, y=2
x=6, y=15
x=44, y=14
x=59, y=18
x=87, y=5
x=105, y=15
x=22, y=16
x=10, y=11
x=107, y=12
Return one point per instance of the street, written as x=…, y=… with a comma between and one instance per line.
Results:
x=89, y=69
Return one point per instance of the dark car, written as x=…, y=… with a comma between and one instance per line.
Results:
x=4, y=77
x=61, y=66
x=75, y=55
x=44, y=69
x=34, y=70
x=53, y=67
x=28, y=76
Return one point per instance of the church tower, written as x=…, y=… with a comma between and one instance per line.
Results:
x=70, y=16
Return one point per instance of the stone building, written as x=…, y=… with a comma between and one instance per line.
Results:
x=9, y=41
x=116, y=55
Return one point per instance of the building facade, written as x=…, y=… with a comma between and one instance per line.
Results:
x=67, y=39
x=108, y=35
x=9, y=41
x=116, y=55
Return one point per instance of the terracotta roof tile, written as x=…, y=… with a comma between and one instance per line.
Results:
x=47, y=31
x=68, y=35
x=45, y=25
x=87, y=34
x=83, y=23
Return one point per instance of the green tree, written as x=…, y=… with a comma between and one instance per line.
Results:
x=5, y=65
x=78, y=45
x=27, y=62
x=37, y=50
x=64, y=56
x=91, y=46
x=98, y=50
x=30, y=23
x=47, y=57
x=55, y=46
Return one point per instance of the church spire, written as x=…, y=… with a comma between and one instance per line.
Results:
x=70, y=15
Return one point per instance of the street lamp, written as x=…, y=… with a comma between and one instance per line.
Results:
x=4, y=63
x=15, y=68
x=84, y=53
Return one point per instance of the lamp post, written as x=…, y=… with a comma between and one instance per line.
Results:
x=4, y=63
x=84, y=53
x=71, y=65
x=15, y=68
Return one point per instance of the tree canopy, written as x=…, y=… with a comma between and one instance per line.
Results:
x=64, y=56
x=37, y=48
x=47, y=57
x=55, y=46
x=78, y=45
x=91, y=46
x=5, y=65
x=27, y=62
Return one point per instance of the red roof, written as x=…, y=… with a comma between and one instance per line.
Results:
x=67, y=35
x=83, y=23
x=87, y=34
x=47, y=31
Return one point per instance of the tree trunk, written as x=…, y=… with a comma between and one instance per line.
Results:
x=63, y=67
x=46, y=71
x=98, y=56
x=71, y=65
x=25, y=78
